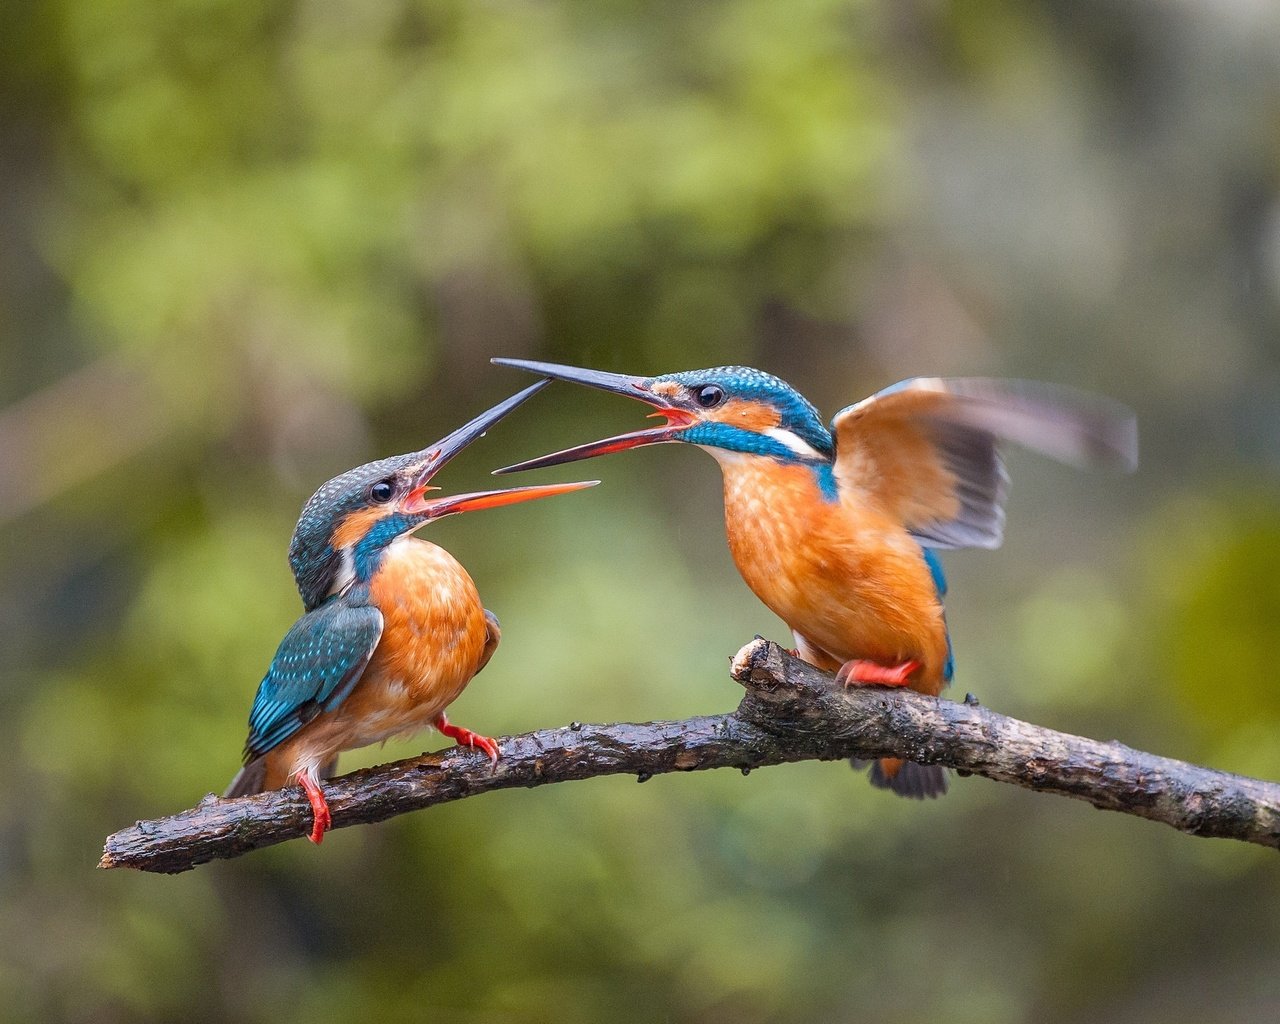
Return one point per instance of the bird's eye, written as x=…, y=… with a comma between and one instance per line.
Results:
x=709, y=395
x=381, y=492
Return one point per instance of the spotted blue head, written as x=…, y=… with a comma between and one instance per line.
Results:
x=726, y=409
x=348, y=523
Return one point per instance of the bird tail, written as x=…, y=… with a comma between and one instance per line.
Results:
x=906, y=778
x=250, y=779
x=253, y=777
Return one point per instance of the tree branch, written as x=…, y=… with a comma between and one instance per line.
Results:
x=791, y=712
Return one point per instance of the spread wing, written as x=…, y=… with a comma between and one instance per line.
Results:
x=926, y=450
x=315, y=668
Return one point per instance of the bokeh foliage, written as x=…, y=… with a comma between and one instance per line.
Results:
x=247, y=245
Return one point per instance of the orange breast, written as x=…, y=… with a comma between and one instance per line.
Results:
x=434, y=620
x=848, y=579
x=432, y=642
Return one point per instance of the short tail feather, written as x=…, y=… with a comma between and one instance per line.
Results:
x=249, y=780
x=906, y=778
x=252, y=778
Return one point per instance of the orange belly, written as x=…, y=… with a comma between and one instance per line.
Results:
x=849, y=580
x=433, y=642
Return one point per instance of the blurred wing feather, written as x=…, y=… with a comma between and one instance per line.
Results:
x=927, y=450
x=317, y=665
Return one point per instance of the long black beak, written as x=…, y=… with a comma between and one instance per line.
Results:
x=620, y=384
x=435, y=457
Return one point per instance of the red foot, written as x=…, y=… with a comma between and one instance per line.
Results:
x=467, y=738
x=858, y=672
x=319, y=807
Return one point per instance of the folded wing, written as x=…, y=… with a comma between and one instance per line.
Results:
x=927, y=450
x=317, y=665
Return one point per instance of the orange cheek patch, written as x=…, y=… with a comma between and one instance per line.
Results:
x=355, y=526
x=741, y=412
x=667, y=389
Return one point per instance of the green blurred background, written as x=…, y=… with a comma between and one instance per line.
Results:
x=244, y=246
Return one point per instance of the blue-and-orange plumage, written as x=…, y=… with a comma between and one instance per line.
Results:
x=835, y=528
x=394, y=628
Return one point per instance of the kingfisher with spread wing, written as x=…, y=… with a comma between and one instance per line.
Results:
x=835, y=528
x=394, y=629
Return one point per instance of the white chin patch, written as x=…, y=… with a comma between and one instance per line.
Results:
x=723, y=455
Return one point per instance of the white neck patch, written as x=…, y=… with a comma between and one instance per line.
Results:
x=346, y=574
x=795, y=442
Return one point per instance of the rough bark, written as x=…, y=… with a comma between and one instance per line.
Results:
x=791, y=712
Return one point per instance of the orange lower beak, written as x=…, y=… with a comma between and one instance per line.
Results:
x=677, y=421
x=417, y=502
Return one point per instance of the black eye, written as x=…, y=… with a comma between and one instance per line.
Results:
x=381, y=492
x=709, y=395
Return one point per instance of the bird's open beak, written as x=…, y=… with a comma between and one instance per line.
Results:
x=620, y=384
x=416, y=502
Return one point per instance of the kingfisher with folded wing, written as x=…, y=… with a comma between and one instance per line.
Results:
x=394, y=629
x=835, y=528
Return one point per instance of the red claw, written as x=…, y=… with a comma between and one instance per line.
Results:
x=323, y=821
x=467, y=738
x=862, y=673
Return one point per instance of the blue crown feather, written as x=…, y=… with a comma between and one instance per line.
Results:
x=795, y=412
